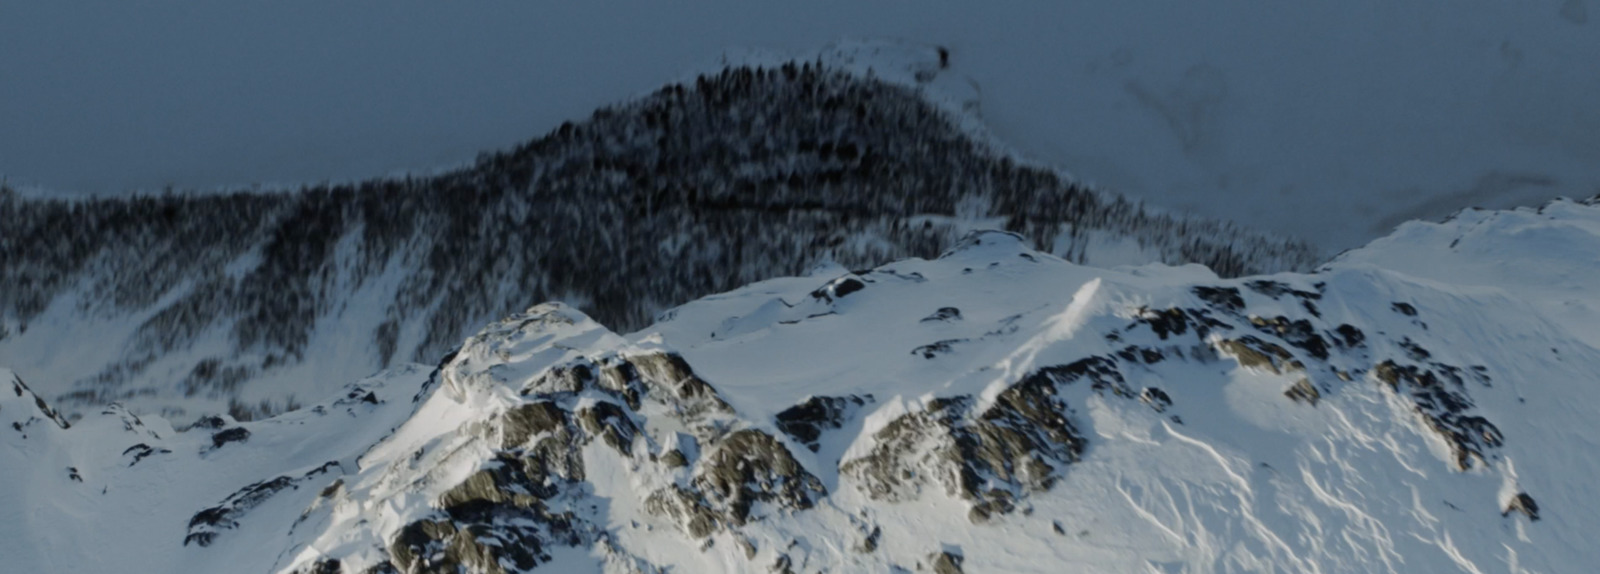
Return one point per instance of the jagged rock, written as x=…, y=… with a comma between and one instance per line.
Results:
x=1352, y=336
x=1137, y=354
x=1156, y=398
x=1413, y=350
x=1252, y=352
x=1012, y=448
x=869, y=544
x=838, y=289
x=528, y=420
x=21, y=389
x=749, y=466
x=1524, y=504
x=944, y=314
x=430, y=547
x=934, y=349
x=1303, y=391
x=782, y=565
x=609, y=422
x=1442, y=407
x=569, y=378
x=691, y=396
x=1227, y=298
x=139, y=451
x=329, y=566
x=498, y=514
x=503, y=485
x=1174, y=321
x=806, y=421
x=235, y=434
x=674, y=459
x=687, y=510
x=212, y=422
x=946, y=562
x=1298, y=333
x=205, y=525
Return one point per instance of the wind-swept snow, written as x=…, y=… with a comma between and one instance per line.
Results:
x=996, y=409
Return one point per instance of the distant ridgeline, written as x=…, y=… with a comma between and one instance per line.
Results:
x=695, y=189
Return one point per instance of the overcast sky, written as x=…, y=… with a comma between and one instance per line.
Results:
x=1326, y=119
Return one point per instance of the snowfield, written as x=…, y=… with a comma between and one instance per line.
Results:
x=1422, y=404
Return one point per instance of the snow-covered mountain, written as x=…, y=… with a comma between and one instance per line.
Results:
x=1423, y=404
x=253, y=302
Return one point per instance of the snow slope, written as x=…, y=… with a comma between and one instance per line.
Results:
x=996, y=409
x=256, y=301
x=1331, y=119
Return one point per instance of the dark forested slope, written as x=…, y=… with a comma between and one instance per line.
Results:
x=695, y=189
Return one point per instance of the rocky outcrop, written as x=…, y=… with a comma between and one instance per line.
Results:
x=807, y=421
x=749, y=466
x=207, y=524
x=990, y=457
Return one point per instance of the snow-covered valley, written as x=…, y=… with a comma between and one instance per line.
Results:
x=1423, y=404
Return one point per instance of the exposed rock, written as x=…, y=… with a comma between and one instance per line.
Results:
x=869, y=544
x=1225, y=298
x=205, y=525
x=749, y=466
x=1524, y=504
x=1252, y=352
x=235, y=434
x=946, y=562
x=528, y=420
x=1303, y=391
x=805, y=422
x=747, y=546
x=946, y=314
x=1352, y=336
x=1298, y=333
x=1156, y=398
x=329, y=566
x=838, y=288
x=1413, y=350
x=1442, y=407
x=569, y=378
x=212, y=422
x=686, y=509
x=499, y=514
x=688, y=394
x=991, y=458
x=934, y=349
x=609, y=422
x=1174, y=321
x=21, y=389
x=674, y=459
x=139, y=451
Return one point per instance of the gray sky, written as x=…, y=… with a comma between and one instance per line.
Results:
x=1325, y=119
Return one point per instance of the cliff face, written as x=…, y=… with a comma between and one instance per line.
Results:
x=251, y=301
x=993, y=409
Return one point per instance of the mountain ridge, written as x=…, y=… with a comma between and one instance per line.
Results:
x=227, y=301
x=992, y=409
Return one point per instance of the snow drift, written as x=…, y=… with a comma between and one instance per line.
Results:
x=994, y=409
